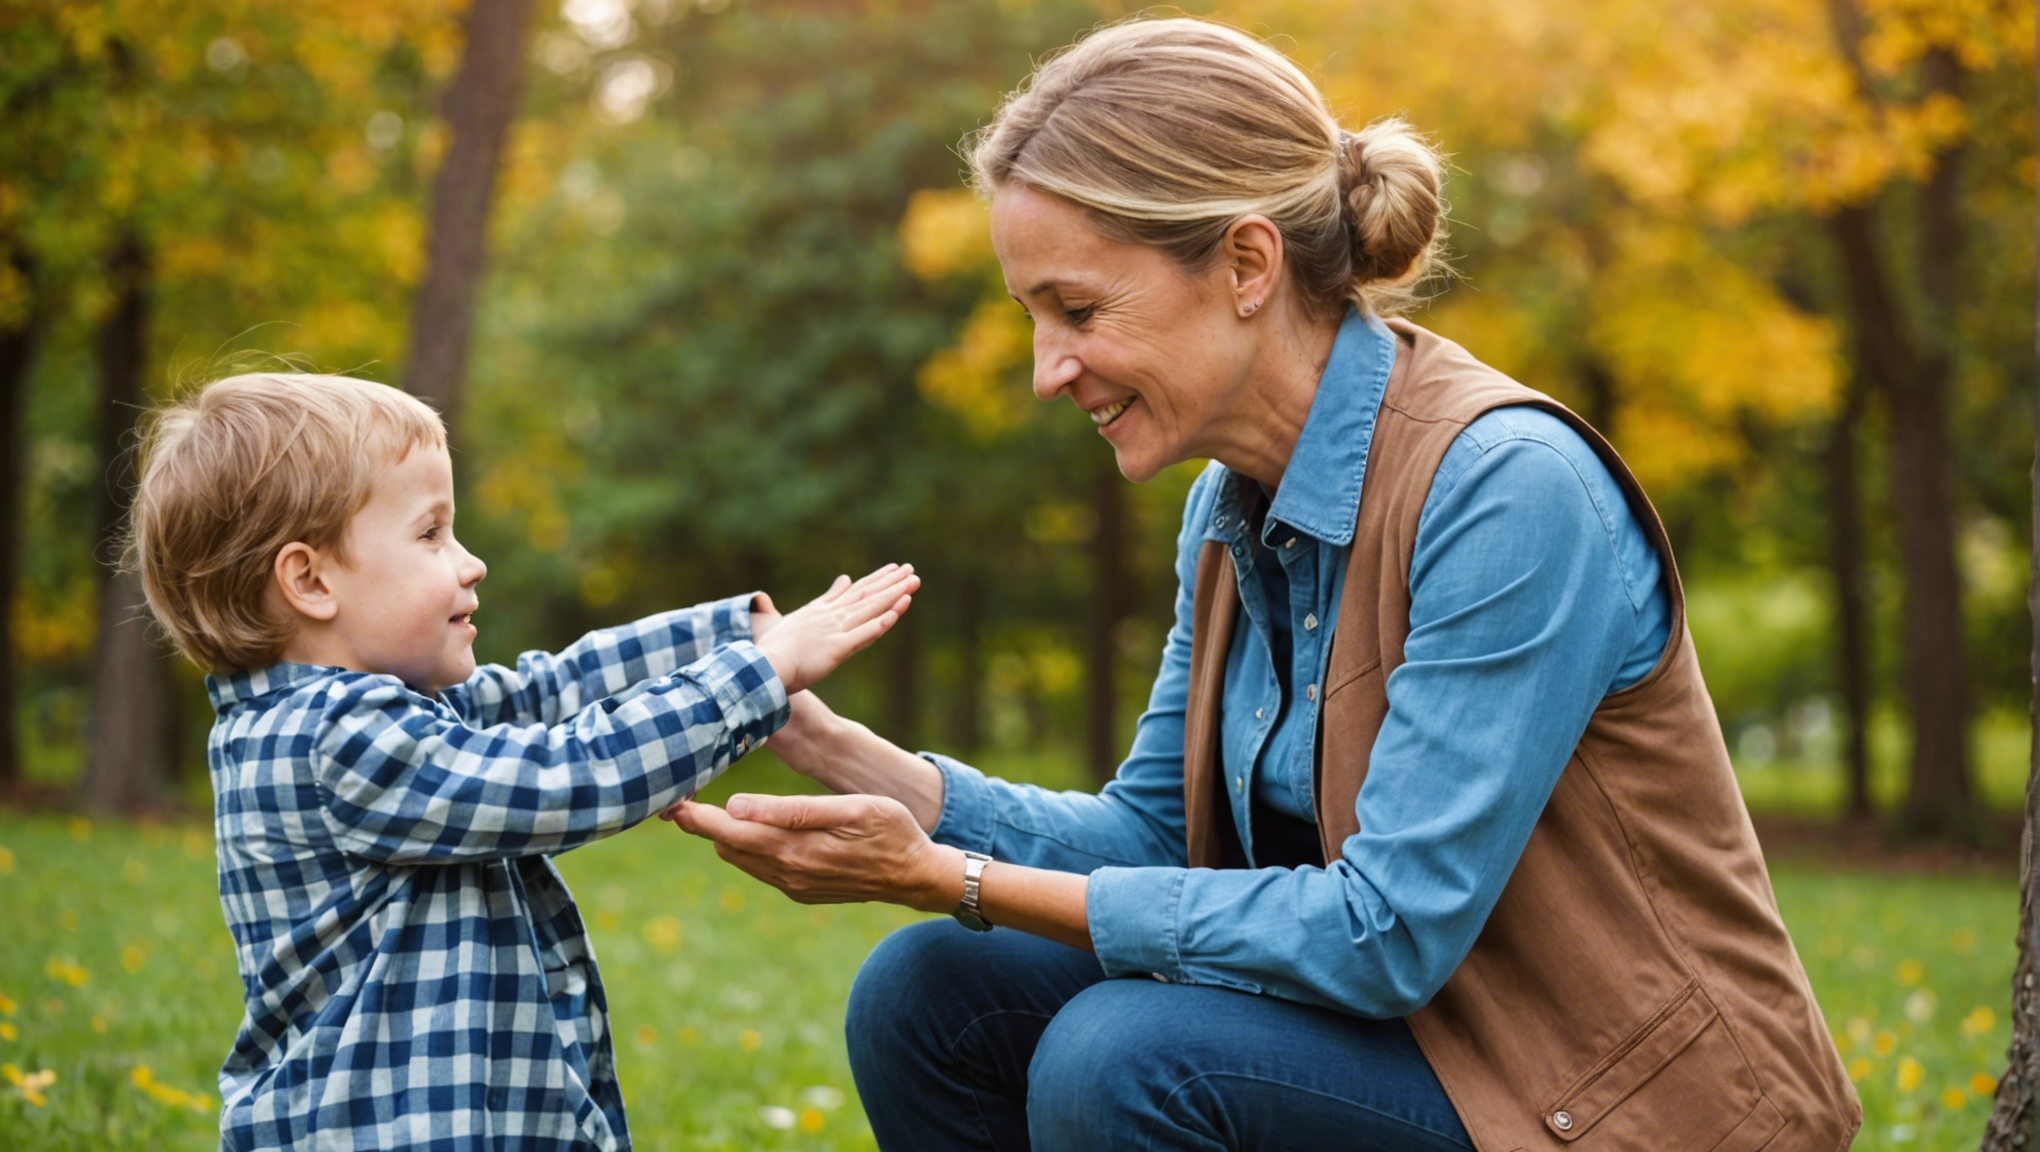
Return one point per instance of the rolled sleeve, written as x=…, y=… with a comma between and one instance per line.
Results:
x=1133, y=914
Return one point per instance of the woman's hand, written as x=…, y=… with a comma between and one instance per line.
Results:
x=831, y=849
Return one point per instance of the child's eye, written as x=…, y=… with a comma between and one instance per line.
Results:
x=431, y=533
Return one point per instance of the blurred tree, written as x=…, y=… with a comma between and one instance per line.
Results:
x=740, y=345
x=181, y=172
x=478, y=108
x=2015, y=1115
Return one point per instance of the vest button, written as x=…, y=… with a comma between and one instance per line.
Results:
x=1291, y=543
x=1562, y=1121
x=1310, y=693
x=1310, y=622
x=1239, y=783
x=1258, y=712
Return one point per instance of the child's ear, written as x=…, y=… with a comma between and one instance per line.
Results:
x=300, y=577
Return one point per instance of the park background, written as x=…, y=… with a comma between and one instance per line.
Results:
x=700, y=288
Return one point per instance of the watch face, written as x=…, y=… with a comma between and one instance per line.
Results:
x=972, y=921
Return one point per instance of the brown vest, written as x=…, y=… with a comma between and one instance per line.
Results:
x=1634, y=987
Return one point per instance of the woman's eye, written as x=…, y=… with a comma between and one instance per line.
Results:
x=1078, y=316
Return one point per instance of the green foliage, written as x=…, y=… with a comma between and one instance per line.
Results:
x=727, y=999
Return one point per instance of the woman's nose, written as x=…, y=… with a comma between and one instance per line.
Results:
x=1054, y=369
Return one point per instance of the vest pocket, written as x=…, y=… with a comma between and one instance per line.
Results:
x=1692, y=1088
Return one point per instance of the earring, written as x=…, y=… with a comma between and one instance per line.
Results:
x=1249, y=309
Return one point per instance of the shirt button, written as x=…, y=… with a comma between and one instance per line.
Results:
x=1239, y=549
x=1562, y=1121
x=1239, y=783
x=743, y=745
x=1218, y=521
x=1291, y=543
x=1258, y=712
x=1310, y=693
x=1310, y=622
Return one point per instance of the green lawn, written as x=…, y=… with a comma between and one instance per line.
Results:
x=116, y=975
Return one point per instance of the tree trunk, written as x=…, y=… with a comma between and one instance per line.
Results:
x=967, y=730
x=130, y=746
x=1852, y=631
x=17, y=353
x=1111, y=599
x=1939, y=801
x=480, y=103
x=2014, y=1121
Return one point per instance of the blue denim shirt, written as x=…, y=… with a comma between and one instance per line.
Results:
x=1533, y=593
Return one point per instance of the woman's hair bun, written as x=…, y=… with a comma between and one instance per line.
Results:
x=1392, y=180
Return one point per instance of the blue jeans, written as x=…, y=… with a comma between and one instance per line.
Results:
x=1001, y=1040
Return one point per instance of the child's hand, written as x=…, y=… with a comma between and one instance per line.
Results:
x=809, y=642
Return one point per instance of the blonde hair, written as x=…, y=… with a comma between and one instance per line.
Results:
x=1169, y=130
x=235, y=470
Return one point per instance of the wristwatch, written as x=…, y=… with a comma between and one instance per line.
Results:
x=966, y=911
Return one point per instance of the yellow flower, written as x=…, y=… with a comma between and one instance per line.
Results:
x=98, y=1025
x=749, y=1040
x=1885, y=1044
x=1979, y=1021
x=1910, y=972
x=689, y=1036
x=647, y=1036
x=1910, y=1073
x=132, y=958
x=79, y=827
x=663, y=933
x=1859, y=1068
x=1953, y=1099
x=9, y=1032
x=6, y=1006
x=731, y=900
x=1983, y=1084
x=67, y=971
x=133, y=872
x=6, y=861
x=30, y=1084
x=811, y=1119
x=1859, y=1029
x=142, y=1075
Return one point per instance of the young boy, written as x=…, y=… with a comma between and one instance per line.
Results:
x=416, y=974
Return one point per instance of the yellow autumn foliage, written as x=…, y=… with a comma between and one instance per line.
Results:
x=944, y=231
x=980, y=377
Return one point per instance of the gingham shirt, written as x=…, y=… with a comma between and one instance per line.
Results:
x=416, y=973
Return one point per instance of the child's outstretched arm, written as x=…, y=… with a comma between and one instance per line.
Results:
x=407, y=783
x=548, y=687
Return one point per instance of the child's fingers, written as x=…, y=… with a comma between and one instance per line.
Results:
x=875, y=583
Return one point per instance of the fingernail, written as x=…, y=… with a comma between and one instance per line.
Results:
x=739, y=807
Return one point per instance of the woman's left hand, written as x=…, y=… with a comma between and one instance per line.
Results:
x=831, y=849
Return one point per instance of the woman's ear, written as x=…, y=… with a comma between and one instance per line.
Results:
x=301, y=580
x=1252, y=250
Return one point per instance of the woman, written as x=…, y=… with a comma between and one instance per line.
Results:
x=1428, y=837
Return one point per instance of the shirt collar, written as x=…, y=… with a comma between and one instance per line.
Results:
x=1320, y=492
x=241, y=687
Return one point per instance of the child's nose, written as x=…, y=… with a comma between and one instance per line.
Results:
x=472, y=568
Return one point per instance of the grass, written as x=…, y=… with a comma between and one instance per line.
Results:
x=117, y=975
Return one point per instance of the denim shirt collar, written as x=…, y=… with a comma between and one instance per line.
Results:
x=1320, y=491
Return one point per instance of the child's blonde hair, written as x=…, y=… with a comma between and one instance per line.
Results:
x=235, y=470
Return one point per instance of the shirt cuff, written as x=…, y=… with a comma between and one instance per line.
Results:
x=742, y=683
x=966, y=819
x=1133, y=916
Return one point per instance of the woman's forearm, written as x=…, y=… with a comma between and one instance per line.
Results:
x=1045, y=903
x=845, y=756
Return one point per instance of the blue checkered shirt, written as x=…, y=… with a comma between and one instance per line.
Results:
x=416, y=973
